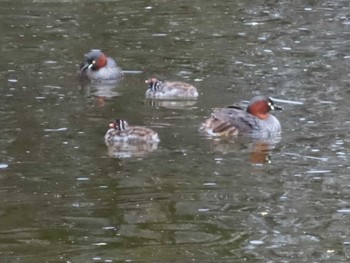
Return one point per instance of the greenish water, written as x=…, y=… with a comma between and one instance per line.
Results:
x=193, y=199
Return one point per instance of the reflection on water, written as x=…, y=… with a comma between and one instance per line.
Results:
x=101, y=93
x=260, y=153
x=63, y=199
x=259, y=150
x=171, y=104
x=125, y=150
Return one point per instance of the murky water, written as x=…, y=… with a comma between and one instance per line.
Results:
x=64, y=198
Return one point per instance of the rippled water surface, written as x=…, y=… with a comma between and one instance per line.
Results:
x=66, y=198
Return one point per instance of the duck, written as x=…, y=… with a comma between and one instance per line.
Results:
x=158, y=89
x=99, y=68
x=121, y=132
x=234, y=120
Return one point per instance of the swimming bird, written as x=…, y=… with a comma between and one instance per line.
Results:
x=99, y=68
x=158, y=89
x=233, y=120
x=121, y=132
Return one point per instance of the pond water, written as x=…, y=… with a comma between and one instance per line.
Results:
x=65, y=198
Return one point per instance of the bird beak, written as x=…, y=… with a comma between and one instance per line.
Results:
x=86, y=66
x=276, y=108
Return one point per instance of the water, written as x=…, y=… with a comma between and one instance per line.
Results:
x=64, y=199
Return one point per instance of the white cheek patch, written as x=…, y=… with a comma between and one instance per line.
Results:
x=92, y=64
x=271, y=105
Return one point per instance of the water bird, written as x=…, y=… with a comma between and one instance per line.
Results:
x=234, y=120
x=121, y=132
x=99, y=68
x=158, y=89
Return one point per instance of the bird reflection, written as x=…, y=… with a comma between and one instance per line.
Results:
x=128, y=150
x=259, y=150
x=101, y=92
x=171, y=104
